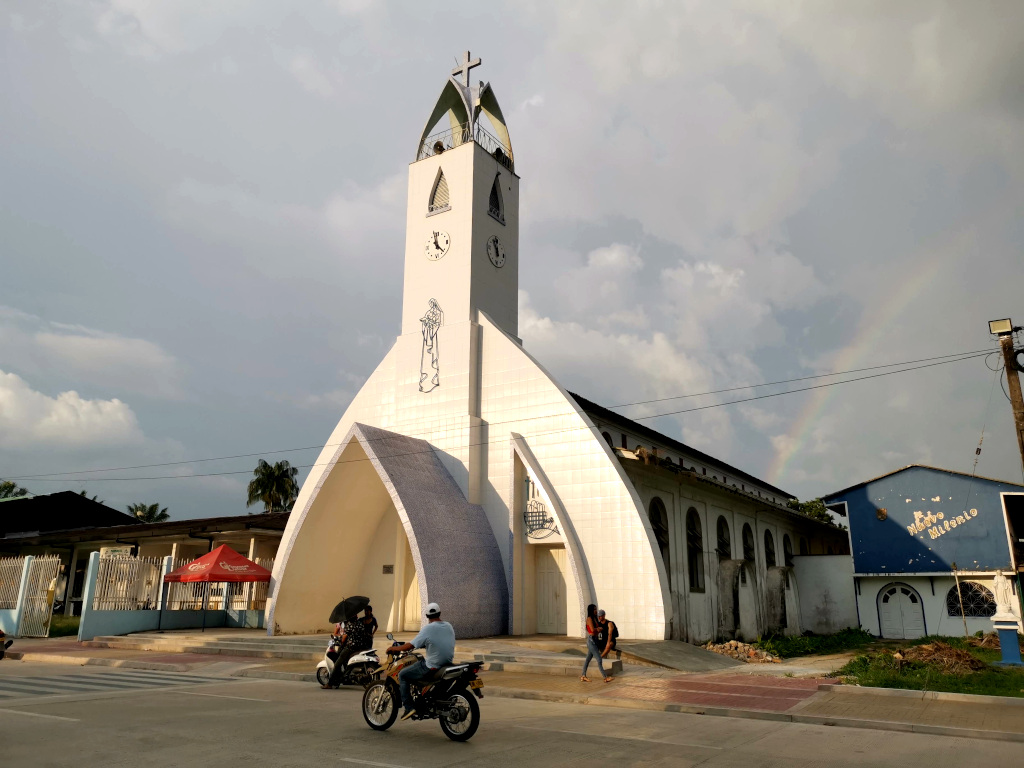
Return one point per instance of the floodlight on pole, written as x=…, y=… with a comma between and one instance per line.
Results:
x=1000, y=327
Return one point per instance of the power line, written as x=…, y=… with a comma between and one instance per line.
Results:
x=496, y=423
x=53, y=477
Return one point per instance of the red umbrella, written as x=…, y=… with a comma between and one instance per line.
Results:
x=222, y=564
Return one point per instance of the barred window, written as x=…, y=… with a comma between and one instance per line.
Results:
x=695, y=551
x=769, y=550
x=724, y=539
x=748, y=543
x=978, y=601
x=787, y=550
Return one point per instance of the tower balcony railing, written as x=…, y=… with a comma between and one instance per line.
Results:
x=441, y=142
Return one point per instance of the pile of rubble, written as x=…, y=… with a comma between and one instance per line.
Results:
x=742, y=652
x=943, y=656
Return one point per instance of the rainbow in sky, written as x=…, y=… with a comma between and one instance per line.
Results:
x=877, y=320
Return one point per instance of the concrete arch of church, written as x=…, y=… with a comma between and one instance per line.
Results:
x=584, y=589
x=380, y=491
x=627, y=579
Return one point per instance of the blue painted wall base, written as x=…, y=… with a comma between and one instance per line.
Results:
x=1010, y=646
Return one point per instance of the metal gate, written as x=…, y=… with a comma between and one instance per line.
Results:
x=43, y=573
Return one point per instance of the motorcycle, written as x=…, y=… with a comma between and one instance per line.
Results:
x=445, y=695
x=358, y=670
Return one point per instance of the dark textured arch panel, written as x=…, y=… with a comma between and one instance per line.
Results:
x=455, y=552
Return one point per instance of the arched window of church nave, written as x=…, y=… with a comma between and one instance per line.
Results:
x=724, y=547
x=748, y=543
x=787, y=550
x=494, y=206
x=659, y=523
x=439, y=199
x=695, y=551
x=608, y=439
x=769, y=550
x=804, y=549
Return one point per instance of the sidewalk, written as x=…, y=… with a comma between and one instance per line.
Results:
x=748, y=691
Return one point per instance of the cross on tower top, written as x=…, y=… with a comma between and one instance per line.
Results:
x=465, y=66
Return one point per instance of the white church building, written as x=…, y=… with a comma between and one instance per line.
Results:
x=463, y=473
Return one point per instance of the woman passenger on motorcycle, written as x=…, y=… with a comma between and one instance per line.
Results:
x=355, y=637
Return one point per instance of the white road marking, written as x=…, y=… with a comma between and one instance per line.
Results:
x=616, y=736
x=368, y=762
x=216, y=695
x=37, y=714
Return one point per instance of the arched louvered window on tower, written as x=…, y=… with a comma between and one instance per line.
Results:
x=494, y=205
x=439, y=200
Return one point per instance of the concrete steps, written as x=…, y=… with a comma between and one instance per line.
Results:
x=507, y=658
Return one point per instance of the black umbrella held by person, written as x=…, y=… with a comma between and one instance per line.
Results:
x=349, y=608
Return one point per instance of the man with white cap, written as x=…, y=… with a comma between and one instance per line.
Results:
x=438, y=638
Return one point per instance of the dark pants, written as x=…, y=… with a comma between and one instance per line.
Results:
x=411, y=674
x=344, y=655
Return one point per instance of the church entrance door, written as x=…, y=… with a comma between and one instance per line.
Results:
x=552, y=565
x=900, y=612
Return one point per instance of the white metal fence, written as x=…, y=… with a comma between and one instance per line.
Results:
x=190, y=596
x=10, y=581
x=252, y=596
x=127, y=583
x=43, y=573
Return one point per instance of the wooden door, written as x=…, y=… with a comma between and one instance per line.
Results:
x=900, y=613
x=552, y=564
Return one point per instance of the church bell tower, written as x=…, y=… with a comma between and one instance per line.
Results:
x=462, y=226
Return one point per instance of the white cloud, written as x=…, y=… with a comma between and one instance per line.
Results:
x=88, y=355
x=310, y=75
x=30, y=419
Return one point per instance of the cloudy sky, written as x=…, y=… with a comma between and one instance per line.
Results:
x=202, y=213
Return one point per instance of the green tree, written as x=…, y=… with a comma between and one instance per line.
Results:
x=148, y=513
x=11, y=490
x=274, y=486
x=814, y=509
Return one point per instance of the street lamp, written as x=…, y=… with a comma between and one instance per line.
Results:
x=1000, y=327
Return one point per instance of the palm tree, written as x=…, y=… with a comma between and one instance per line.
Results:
x=11, y=490
x=148, y=513
x=274, y=486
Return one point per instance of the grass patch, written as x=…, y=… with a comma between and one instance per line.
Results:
x=889, y=669
x=64, y=626
x=811, y=645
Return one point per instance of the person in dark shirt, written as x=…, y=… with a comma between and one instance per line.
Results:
x=370, y=621
x=356, y=636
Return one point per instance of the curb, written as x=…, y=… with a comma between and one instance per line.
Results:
x=974, y=698
x=753, y=714
x=270, y=674
x=80, y=661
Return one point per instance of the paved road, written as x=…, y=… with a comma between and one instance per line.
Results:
x=170, y=719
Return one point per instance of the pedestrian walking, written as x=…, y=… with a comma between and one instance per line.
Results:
x=606, y=635
x=593, y=652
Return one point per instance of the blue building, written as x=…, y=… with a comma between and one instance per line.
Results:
x=910, y=529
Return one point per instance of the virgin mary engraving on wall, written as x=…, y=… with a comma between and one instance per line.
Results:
x=430, y=323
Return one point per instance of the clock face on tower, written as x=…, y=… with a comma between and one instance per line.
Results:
x=437, y=245
x=496, y=251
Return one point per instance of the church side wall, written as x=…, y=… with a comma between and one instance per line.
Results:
x=615, y=537
x=698, y=615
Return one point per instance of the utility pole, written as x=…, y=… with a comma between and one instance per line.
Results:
x=1005, y=329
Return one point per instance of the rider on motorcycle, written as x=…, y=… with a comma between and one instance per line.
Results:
x=438, y=638
x=356, y=636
